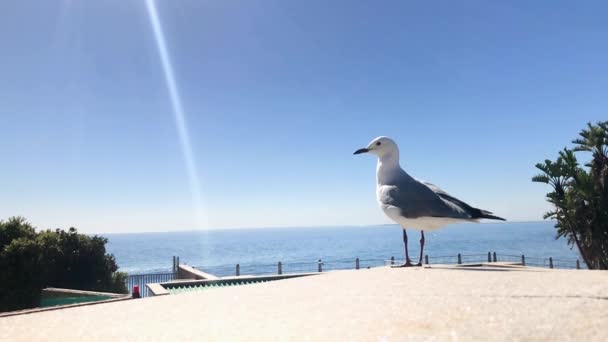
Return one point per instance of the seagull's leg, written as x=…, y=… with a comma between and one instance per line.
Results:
x=421, y=247
x=408, y=262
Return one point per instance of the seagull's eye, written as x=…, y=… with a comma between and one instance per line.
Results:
x=378, y=143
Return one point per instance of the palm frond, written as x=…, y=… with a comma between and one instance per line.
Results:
x=540, y=178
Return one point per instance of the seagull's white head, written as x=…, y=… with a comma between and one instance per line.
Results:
x=382, y=147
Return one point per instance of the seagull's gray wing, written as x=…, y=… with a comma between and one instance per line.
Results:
x=474, y=213
x=416, y=199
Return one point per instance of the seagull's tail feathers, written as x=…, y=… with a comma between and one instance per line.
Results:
x=483, y=214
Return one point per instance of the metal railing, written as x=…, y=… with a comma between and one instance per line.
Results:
x=345, y=264
x=342, y=264
x=494, y=257
x=290, y=267
x=142, y=279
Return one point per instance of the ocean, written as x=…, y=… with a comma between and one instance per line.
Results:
x=218, y=251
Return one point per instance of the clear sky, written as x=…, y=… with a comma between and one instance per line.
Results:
x=276, y=96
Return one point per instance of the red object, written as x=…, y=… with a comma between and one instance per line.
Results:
x=136, y=291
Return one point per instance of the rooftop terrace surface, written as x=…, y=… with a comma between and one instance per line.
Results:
x=381, y=304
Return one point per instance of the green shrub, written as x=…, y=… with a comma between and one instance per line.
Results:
x=30, y=261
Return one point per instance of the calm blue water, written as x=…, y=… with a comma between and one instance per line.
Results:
x=212, y=249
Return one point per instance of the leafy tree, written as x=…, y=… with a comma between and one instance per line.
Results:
x=580, y=195
x=16, y=227
x=30, y=261
x=20, y=281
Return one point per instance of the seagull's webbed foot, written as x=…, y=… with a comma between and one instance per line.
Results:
x=407, y=264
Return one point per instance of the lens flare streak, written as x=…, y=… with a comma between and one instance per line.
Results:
x=178, y=112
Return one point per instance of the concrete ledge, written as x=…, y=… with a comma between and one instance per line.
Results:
x=59, y=292
x=157, y=289
x=227, y=280
x=437, y=303
x=271, y=276
x=187, y=272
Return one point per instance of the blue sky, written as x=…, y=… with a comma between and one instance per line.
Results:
x=277, y=95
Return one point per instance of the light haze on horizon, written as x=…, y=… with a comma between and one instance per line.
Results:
x=276, y=97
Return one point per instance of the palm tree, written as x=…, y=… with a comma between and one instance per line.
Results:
x=580, y=196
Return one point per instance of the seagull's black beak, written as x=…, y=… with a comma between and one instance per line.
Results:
x=361, y=150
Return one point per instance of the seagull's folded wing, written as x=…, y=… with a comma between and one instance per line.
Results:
x=416, y=199
x=474, y=213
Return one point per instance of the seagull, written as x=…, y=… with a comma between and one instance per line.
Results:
x=413, y=203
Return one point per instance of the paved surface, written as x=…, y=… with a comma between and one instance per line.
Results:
x=382, y=304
